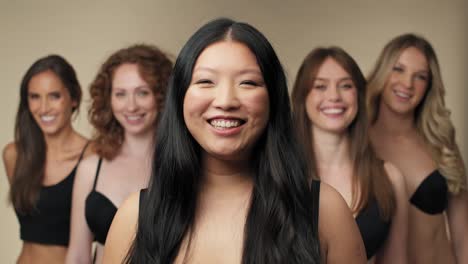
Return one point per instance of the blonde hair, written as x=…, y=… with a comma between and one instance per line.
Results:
x=431, y=116
x=370, y=181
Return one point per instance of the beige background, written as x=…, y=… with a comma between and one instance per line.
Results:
x=86, y=32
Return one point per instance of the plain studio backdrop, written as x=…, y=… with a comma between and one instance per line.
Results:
x=87, y=32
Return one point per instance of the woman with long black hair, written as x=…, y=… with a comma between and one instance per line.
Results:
x=229, y=184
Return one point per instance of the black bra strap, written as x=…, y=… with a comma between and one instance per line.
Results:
x=97, y=173
x=83, y=151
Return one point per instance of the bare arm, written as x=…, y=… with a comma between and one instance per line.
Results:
x=81, y=237
x=340, y=239
x=457, y=213
x=395, y=247
x=9, y=160
x=122, y=231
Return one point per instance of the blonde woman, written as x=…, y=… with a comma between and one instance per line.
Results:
x=412, y=129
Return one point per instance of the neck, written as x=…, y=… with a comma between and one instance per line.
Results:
x=138, y=146
x=58, y=142
x=225, y=175
x=390, y=122
x=331, y=150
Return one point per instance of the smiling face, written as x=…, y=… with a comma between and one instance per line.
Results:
x=132, y=100
x=226, y=107
x=50, y=103
x=407, y=83
x=331, y=104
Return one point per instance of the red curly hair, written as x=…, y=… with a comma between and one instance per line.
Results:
x=154, y=67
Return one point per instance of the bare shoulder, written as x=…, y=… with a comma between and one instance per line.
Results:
x=332, y=207
x=395, y=175
x=9, y=159
x=122, y=231
x=340, y=239
x=89, y=148
x=86, y=171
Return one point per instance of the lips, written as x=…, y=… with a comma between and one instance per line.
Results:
x=333, y=111
x=135, y=119
x=48, y=118
x=402, y=95
x=225, y=123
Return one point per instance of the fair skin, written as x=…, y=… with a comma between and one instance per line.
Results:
x=224, y=110
x=331, y=106
x=403, y=145
x=134, y=106
x=51, y=107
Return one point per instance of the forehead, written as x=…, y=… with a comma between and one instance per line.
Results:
x=46, y=82
x=413, y=57
x=227, y=55
x=330, y=68
x=127, y=75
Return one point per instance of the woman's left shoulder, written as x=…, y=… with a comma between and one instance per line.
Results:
x=340, y=239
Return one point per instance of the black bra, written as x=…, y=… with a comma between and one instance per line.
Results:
x=431, y=196
x=374, y=230
x=99, y=211
x=49, y=222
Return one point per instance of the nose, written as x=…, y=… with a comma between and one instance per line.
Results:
x=44, y=106
x=407, y=80
x=334, y=94
x=132, y=104
x=226, y=97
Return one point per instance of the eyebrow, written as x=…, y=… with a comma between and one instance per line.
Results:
x=137, y=87
x=340, y=80
x=403, y=65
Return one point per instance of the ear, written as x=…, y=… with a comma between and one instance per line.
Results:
x=74, y=105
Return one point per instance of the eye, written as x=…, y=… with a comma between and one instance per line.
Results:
x=119, y=94
x=55, y=95
x=204, y=81
x=33, y=96
x=422, y=77
x=143, y=93
x=347, y=86
x=397, y=69
x=320, y=86
x=250, y=83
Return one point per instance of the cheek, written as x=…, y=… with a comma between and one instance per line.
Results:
x=311, y=104
x=149, y=103
x=258, y=104
x=195, y=103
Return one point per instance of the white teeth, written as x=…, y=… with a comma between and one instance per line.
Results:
x=47, y=118
x=134, y=118
x=225, y=123
x=404, y=95
x=333, y=110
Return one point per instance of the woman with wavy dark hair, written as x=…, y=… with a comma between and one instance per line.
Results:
x=229, y=184
x=331, y=121
x=127, y=96
x=411, y=127
x=41, y=162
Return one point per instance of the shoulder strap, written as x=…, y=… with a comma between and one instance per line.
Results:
x=97, y=173
x=83, y=151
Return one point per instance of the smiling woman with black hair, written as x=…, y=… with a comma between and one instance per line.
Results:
x=229, y=184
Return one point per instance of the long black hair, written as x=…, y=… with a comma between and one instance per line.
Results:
x=29, y=139
x=280, y=226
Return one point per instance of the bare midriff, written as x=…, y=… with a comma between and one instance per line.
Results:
x=39, y=253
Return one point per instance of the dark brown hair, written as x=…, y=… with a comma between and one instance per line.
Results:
x=29, y=140
x=370, y=180
x=154, y=67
